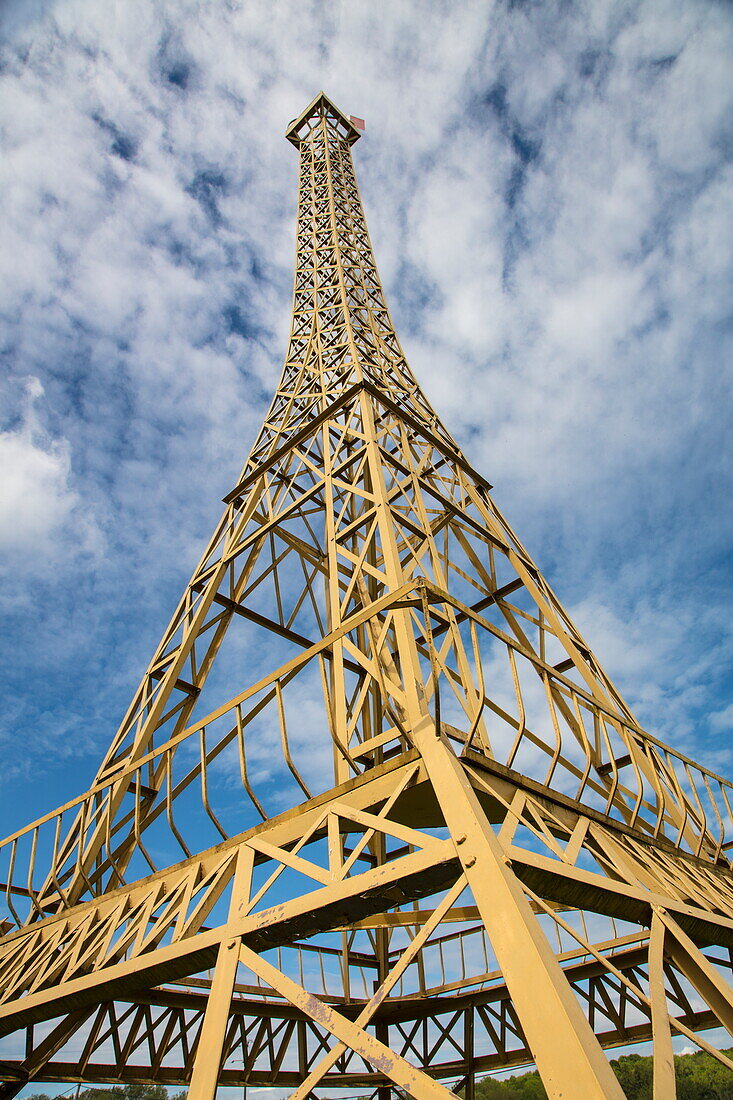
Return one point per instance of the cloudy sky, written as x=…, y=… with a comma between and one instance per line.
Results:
x=549, y=191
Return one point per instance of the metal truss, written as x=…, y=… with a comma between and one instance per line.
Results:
x=426, y=838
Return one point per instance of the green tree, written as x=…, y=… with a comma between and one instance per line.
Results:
x=118, y=1092
x=635, y=1075
x=699, y=1077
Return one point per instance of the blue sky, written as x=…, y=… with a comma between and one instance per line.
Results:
x=549, y=191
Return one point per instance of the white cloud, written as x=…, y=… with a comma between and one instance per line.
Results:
x=721, y=721
x=36, y=499
x=548, y=201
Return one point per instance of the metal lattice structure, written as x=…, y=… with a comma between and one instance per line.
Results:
x=426, y=837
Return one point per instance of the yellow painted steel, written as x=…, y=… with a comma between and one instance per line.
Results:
x=398, y=853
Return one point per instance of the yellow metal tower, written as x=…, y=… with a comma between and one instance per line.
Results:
x=425, y=838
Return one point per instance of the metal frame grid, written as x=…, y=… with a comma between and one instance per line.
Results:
x=427, y=825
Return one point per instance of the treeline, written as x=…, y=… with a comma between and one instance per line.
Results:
x=699, y=1077
x=117, y=1092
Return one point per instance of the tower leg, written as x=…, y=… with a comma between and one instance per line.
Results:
x=665, y=1087
x=210, y=1047
x=569, y=1058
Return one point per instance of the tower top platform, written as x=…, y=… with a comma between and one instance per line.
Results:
x=321, y=107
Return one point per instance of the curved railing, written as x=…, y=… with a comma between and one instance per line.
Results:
x=272, y=746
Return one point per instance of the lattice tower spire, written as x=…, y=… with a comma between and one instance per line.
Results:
x=423, y=778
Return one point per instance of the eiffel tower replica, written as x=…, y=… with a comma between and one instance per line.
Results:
x=426, y=838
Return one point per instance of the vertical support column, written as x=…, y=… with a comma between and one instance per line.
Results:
x=665, y=1087
x=302, y=1050
x=384, y=1092
x=468, y=1051
x=569, y=1058
x=337, y=701
x=209, y=1049
x=333, y=593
